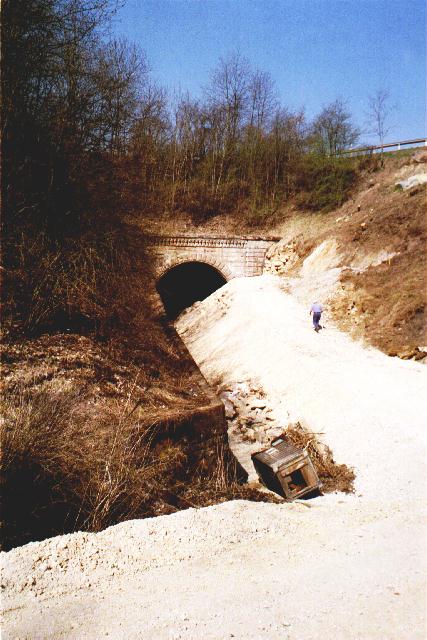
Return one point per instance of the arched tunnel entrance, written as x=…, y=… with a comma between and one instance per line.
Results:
x=185, y=284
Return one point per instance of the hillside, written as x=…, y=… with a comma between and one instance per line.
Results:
x=357, y=253
x=104, y=426
x=339, y=566
x=367, y=260
x=140, y=374
x=99, y=363
x=99, y=428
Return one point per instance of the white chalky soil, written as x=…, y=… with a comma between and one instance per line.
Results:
x=339, y=567
x=371, y=408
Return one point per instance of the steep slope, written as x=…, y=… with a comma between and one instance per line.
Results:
x=340, y=566
x=367, y=261
x=251, y=331
x=373, y=271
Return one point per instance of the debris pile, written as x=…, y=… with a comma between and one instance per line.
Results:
x=248, y=413
x=253, y=426
x=251, y=422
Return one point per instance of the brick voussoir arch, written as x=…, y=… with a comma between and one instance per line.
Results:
x=223, y=269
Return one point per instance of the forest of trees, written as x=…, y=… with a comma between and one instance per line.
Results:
x=87, y=131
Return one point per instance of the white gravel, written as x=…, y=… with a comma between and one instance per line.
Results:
x=371, y=408
x=344, y=567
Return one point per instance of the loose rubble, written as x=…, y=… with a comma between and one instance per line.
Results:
x=412, y=181
x=251, y=422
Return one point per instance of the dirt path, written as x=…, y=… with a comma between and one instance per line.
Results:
x=371, y=408
x=241, y=570
x=350, y=567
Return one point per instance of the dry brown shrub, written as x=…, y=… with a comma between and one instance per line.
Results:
x=66, y=469
x=96, y=282
x=63, y=469
x=333, y=476
x=49, y=461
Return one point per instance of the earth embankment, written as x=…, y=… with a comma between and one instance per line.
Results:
x=341, y=566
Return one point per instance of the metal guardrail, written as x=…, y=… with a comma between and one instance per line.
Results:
x=381, y=147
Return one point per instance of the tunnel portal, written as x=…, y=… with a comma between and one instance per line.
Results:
x=185, y=284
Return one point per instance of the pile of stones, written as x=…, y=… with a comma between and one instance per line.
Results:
x=248, y=415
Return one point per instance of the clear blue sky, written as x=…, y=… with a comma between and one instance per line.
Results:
x=315, y=50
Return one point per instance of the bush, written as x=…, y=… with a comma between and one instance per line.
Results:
x=66, y=469
x=93, y=283
x=333, y=476
x=325, y=183
x=198, y=200
x=62, y=472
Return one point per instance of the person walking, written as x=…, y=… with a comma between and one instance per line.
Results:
x=316, y=310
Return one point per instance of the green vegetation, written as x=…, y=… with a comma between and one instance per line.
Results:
x=325, y=183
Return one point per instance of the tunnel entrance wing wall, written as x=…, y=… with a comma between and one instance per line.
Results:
x=232, y=257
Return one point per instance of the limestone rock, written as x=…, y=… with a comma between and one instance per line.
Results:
x=412, y=181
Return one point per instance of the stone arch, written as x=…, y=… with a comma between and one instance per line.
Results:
x=169, y=264
x=185, y=280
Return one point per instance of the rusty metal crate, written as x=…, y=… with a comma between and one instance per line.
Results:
x=286, y=470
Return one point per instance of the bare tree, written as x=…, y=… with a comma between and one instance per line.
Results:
x=121, y=73
x=150, y=137
x=286, y=144
x=333, y=129
x=228, y=96
x=48, y=101
x=229, y=91
x=378, y=116
x=152, y=121
x=262, y=99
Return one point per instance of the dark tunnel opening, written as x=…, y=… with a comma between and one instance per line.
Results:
x=185, y=284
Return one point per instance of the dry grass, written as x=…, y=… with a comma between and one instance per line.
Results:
x=393, y=318
x=61, y=470
x=104, y=418
x=386, y=303
x=94, y=283
x=68, y=466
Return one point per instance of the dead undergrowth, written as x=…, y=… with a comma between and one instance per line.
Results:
x=333, y=476
x=104, y=414
x=74, y=461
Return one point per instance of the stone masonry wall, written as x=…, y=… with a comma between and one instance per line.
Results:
x=232, y=257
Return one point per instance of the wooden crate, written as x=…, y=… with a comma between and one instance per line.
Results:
x=286, y=470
